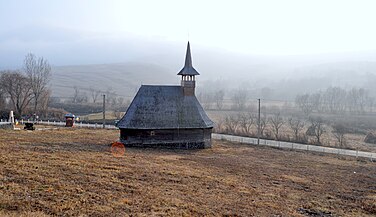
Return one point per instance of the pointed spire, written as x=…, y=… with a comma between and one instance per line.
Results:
x=188, y=58
x=188, y=68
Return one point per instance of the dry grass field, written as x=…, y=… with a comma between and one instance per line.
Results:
x=71, y=172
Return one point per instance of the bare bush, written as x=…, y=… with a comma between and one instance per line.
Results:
x=231, y=123
x=219, y=126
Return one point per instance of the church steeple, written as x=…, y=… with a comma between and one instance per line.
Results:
x=188, y=68
x=188, y=74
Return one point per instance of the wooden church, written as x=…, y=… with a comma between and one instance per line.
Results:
x=167, y=116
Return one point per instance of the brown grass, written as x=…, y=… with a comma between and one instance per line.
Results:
x=69, y=172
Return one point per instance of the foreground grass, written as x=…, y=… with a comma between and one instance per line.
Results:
x=72, y=172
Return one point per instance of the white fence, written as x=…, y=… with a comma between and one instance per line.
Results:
x=4, y=124
x=296, y=146
x=60, y=123
x=246, y=140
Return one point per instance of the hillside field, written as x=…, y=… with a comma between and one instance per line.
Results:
x=72, y=172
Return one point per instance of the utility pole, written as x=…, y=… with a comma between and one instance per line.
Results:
x=259, y=122
x=104, y=111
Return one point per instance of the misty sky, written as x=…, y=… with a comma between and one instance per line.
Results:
x=59, y=29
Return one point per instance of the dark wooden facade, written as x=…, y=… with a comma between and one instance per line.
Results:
x=167, y=138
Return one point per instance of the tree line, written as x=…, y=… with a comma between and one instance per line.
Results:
x=215, y=99
x=276, y=126
x=26, y=90
x=336, y=100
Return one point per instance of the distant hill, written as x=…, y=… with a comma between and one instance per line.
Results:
x=123, y=78
x=78, y=58
x=285, y=79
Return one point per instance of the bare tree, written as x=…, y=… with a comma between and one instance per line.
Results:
x=317, y=128
x=44, y=102
x=370, y=102
x=336, y=100
x=246, y=121
x=296, y=125
x=110, y=96
x=2, y=99
x=316, y=102
x=363, y=98
x=38, y=71
x=219, y=96
x=339, y=131
x=76, y=94
x=277, y=122
x=239, y=99
x=120, y=101
x=304, y=102
x=207, y=99
x=118, y=107
x=94, y=94
x=82, y=98
x=263, y=123
x=17, y=87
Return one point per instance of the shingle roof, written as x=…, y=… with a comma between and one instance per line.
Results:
x=164, y=107
x=188, y=67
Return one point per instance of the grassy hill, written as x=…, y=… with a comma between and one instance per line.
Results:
x=283, y=79
x=71, y=172
x=123, y=78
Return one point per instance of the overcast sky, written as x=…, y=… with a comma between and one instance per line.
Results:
x=255, y=27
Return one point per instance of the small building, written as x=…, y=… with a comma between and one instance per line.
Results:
x=167, y=116
x=69, y=120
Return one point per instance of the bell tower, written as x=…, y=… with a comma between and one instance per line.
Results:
x=188, y=74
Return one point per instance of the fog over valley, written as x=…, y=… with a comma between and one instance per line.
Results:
x=88, y=59
x=246, y=47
